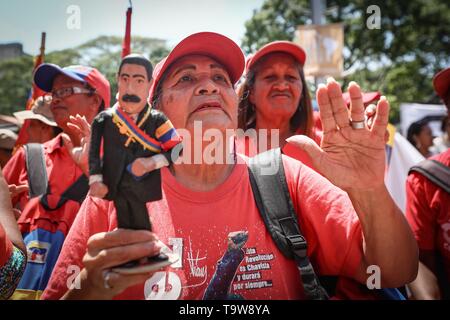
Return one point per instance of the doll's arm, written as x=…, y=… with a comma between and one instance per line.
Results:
x=167, y=135
x=141, y=166
x=96, y=186
x=171, y=147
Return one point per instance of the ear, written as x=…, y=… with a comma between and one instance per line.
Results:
x=96, y=101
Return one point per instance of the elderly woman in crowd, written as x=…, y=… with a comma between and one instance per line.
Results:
x=208, y=208
x=275, y=95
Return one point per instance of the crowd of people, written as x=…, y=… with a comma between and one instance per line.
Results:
x=70, y=225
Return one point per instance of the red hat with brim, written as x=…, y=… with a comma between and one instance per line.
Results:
x=277, y=46
x=46, y=73
x=211, y=44
x=441, y=83
x=367, y=97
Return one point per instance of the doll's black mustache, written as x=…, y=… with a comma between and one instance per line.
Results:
x=131, y=98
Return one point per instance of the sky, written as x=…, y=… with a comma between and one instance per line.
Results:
x=172, y=20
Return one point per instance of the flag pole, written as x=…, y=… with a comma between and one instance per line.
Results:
x=35, y=92
x=42, y=49
x=126, y=45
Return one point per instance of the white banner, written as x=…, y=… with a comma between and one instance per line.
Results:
x=403, y=157
x=411, y=112
x=323, y=45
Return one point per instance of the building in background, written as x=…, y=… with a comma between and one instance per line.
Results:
x=11, y=50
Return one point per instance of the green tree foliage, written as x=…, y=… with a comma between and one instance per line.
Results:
x=399, y=59
x=15, y=80
x=103, y=53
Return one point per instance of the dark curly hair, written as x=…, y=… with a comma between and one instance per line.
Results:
x=414, y=129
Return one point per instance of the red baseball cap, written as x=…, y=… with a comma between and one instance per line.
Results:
x=367, y=97
x=441, y=83
x=45, y=75
x=277, y=46
x=210, y=44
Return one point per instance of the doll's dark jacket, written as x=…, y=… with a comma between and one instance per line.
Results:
x=116, y=156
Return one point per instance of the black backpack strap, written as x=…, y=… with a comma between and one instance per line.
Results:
x=434, y=171
x=36, y=170
x=77, y=191
x=273, y=200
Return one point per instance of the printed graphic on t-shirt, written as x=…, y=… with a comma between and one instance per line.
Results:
x=251, y=275
x=239, y=270
x=220, y=285
x=37, y=251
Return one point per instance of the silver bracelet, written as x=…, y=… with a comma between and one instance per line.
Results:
x=95, y=178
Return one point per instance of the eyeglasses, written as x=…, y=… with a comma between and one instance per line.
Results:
x=68, y=91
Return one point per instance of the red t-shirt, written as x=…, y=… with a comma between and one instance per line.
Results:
x=61, y=170
x=196, y=225
x=248, y=147
x=295, y=152
x=428, y=213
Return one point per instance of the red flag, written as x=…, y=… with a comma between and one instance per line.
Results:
x=35, y=93
x=126, y=46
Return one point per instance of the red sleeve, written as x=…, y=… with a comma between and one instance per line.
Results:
x=92, y=218
x=15, y=172
x=419, y=212
x=294, y=152
x=5, y=247
x=327, y=219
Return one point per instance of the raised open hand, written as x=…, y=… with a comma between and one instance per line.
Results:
x=80, y=154
x=351, y=155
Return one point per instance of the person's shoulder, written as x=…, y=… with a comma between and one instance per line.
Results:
x=443, y=157
x=306, y=179
x=105, y=114
x=55, y=140
x=15, y=166
x=157, y=114
x=51, y=145
x=291, y=166
x=415, y=178
x=417, y=181
x=96, y=211
x=102, y=204
x=295, y=167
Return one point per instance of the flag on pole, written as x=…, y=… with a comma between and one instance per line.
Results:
x=35, y=93
x=126, y=45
